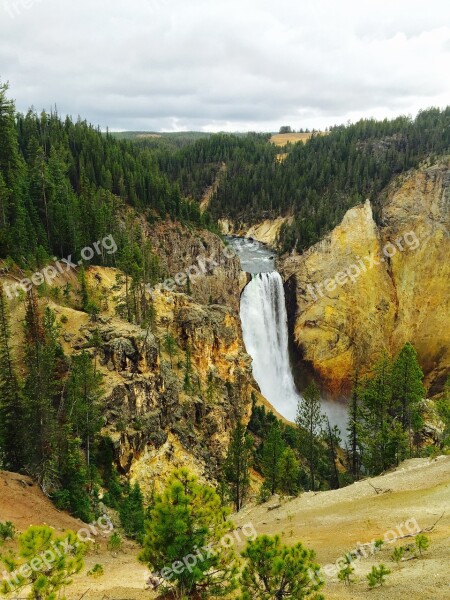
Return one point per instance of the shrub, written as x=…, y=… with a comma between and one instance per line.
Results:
x=345, y=574
x=96, y=571
x=277, y=571
x=398, y=554
x=264, y=494
x=115, y=541
x=7, y=531
x=422, y=543
x=132, y=513
x=377, y=575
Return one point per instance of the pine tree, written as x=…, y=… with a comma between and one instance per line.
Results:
x=332, y=439
x=277, y=571
x=84, y=290
x=59, y=558
x=375, y=433
x=83, y=394
x=186, y=519
x=272, y=452
x=170, y=346
x=131, y=511
x=310, y=419
x=11, y=402
x=73, y=494
x=237, y=464
x=188, y=371
x=407, y=390
x=40, y=388
x=353, y=429
x=289, y=472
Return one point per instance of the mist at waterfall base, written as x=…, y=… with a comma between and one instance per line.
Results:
x=265, y=330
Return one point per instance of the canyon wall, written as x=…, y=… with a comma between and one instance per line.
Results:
x=173, y=392
x=372, y=286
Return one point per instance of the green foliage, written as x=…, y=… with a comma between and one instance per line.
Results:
x=277, y=571
x=237, y=464
x=187, y=386
x=272, y=453
x=83, y=394
x=311, y=421
x=384, y=413
x=264, y=493
x=115, y=542
x=64, y=184
x=96, y=571
x=45, y=562
x=345, y=574
x=132, y=512
x=289, y=472
x=354, y=413
x=43, y=360
x=74, y=480
x=377, y=576
x=443, y=410
x=7, y=531
x=398, y=554
x=407, y=392
x=320, y=179
x=188, y=516
x=170, y=346
x=11, y=399
x=84, y=292
x=422, y=543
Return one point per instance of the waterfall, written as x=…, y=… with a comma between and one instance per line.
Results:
x=264, y=327
x=265, y=331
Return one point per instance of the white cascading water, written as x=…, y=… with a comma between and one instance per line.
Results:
x=265, y=331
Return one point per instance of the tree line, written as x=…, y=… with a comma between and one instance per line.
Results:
x=385, y=418
x=317, y=182
x=64, y=185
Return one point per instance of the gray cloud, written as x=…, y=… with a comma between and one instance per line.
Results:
x=247, y=64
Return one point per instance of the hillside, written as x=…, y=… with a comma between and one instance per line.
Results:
x=345, y=308
x=281, y=139
x=331, y=522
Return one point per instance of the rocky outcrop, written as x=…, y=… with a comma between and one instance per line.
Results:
x=214, y=273
x=368, y=287
x=266, y=231
x=171, y=403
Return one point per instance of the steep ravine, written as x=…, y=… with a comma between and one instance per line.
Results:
x=367, y=287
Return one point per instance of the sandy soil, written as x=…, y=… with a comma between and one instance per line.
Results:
x=330, y=522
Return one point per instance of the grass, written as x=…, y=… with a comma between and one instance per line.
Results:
x=281, y=139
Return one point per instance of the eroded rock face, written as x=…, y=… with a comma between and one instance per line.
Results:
x=214, y=273
x=164, y=411
x=365, y=288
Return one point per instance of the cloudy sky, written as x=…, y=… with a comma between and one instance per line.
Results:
x=165, y=65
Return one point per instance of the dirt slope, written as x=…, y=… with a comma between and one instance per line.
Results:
x=23, y=503
x=330, y=522
x=334, y=522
